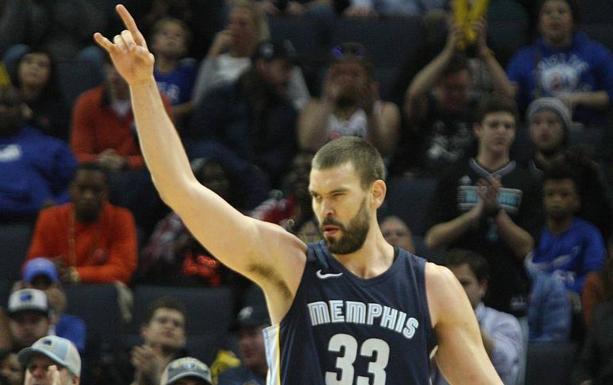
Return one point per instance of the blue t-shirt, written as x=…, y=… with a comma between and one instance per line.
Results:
x=571, y=255
x=177, y=85
x=34, y=168
x=540, y=70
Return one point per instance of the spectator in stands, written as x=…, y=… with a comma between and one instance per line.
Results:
x=491, y=206
x=232, y=50
x=47, y=351
x=569, y=247
x=564, y=63
x=163, y=334
x=41, y=274
x=251, y=321
x=594, y=363
x=175, y=74
x=90, y=240
x=500, y=332
x=370, y=8
x=186, y=371
x=35, y=169
x=350, y=105
x=397, y=233
x=103, y=132
x=252, y=118
x=598, y=289
x=29, y=317
x=10, y=368
x=441, y=101
x=35, y=77
x=290, y=209
x=550, y=122
x=172, y=255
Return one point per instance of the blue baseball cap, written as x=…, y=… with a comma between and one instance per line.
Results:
x=57, y=349
x=39, y=266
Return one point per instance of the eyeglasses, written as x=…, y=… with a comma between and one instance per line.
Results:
x=349, y=49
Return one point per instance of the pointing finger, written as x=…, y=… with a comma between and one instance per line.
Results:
x=130, y=24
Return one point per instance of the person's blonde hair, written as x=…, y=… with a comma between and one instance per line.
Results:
x=258, y=17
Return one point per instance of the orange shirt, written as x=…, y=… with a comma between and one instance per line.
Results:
x=96, y=127
x=102, y=252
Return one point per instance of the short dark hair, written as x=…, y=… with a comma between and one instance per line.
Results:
x=364, y=157
x=165, y=302
x=560, y=170
x=496, y=103
x=93, y=166
x=477, y=264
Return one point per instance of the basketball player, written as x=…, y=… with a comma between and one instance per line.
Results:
x=350, y=310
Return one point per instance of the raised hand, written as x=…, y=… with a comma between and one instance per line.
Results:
x=128, y=51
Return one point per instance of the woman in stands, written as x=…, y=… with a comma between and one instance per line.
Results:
x=564, y=63
x=232, y=49
x=36, y=78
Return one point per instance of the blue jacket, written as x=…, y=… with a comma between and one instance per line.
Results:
x=540, y=70
x=549, y=310
x=34, y=168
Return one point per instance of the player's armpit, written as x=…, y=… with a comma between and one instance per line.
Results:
x=461, y=356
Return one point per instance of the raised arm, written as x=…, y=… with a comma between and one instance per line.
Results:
x=461, y=355
x=263, y=252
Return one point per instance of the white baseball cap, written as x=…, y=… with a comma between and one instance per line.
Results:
x=186, y=367
x=28, y=299
x=58, y=349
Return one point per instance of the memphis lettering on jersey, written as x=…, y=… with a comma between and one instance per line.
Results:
x=374, y=314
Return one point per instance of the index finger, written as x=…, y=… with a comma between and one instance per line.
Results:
x=129, y=22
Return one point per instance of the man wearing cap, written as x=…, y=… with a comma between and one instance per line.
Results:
x=41, y=274
x=47, y=351
x=350, y=105
x=550, y=122
x=251, y=119
x=29, y=317
x=250, y=322
x=186, y=371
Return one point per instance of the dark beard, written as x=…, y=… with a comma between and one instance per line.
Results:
x=354, y=235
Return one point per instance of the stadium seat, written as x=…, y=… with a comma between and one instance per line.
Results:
x=309, y=40
x=97, y=305
x=14, y=243
x=549, y=363
x=409, y=199
x=210, y=313
x=596, y=11
x=76, y=76
x=388, y=41
x=506, y=37
x=601, y=32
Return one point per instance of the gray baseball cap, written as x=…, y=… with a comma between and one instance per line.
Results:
x=186, y=367
x=28, y=300
x=58, y=349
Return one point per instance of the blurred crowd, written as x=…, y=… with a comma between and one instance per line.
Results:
x=499, y=117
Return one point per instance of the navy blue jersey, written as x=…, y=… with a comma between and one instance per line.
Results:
x=345, y=330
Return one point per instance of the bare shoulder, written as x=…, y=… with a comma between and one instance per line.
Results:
x=443, y=291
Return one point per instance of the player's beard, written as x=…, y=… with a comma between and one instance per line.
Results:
x=353, y=235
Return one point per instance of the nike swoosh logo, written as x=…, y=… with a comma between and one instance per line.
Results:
x=321, y=275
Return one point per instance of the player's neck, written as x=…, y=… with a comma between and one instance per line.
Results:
x=372, y=259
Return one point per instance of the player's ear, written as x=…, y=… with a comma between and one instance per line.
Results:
x=378, y=191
